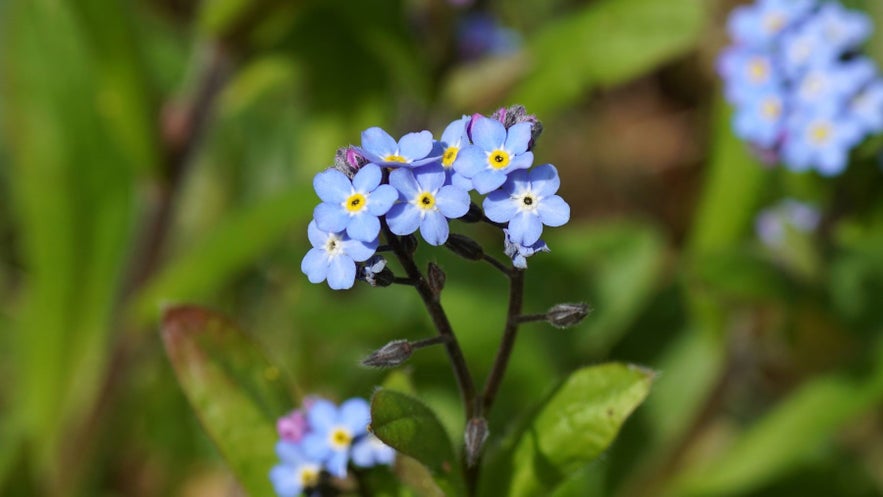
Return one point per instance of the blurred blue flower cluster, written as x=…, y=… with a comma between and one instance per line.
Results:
x=803, y=93
x=323, y=438
x=774, y=223
x=418, y=183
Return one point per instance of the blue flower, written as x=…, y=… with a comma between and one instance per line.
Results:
x=761, y=119
x=760, y=24
x=333, y=430
x=527, y=201
x=412, y=150
x=747, y=73
x=333, y=257
x=479, y=35
x=866, y=107
x=425, y=203
x=842, y=29
x=370, y=451
x=352, y=206
x=519, y=253
x=804, y=46
x=295, y=473
x=495, y=152
x=820, y=138
x=452, y=141
x=773, y=224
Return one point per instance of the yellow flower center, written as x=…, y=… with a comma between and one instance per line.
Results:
x=355, y=203
x=425, y=201
x=340, y=438
x=820, y=133
x=757, y=70
x=395, y=158
x=309, y=476
x=498, y=159
x=449, y=157
x=771, y=109
x=774, y=22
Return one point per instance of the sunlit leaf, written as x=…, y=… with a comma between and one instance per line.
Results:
x=236, y=392
x=410, y=427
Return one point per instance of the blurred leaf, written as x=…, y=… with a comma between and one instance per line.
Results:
x=407, y=425
x=76, y=143
x=231, y=247
x=605, y=43
x=779, y=441
x=236, y=392
x=572, y=427
x=739, y=274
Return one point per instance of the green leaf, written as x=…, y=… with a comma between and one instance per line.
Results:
x=236, y=392
x=409, y=426
x=606, y=43
x=572, y=427
x=784, y=437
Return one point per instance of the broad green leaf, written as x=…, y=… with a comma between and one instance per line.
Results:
x=236, y=392
x=231, y=247
x=606, y=43
x=783, y=438
x=572, y=427
x=407, y=425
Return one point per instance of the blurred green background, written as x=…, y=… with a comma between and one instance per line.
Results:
x=158, y=152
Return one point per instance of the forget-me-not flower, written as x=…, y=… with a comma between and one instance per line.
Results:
x=519, y=253
x=866, y=107
x=295, y=473
x=773, y=223
x=354, y=205
x=425, y=203
x=820, y=138
x=452, y=141
x=758, y=25
x=527, y=201
x=333, y=430
x=761, y=119
x=333, y=257
x=842, y=29
x=411, y=150
x=495, y=152
x=370, y=451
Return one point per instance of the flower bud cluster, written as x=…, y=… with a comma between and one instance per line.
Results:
x=321, y=439
x=418, y=183
x=802, y=92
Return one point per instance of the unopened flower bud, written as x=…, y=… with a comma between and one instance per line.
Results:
x=464, y=247
x=515, y=114
x=436, y=279
x=567, y=315
x=349, y=160
x=475, y=436
x=473, y=215
x=391, y=354
x=409, y=242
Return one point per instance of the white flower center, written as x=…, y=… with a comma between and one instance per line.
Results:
x=527, y=201
x=333, y=245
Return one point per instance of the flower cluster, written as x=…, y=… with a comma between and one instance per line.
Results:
x=802, y=92
x=418, y=183
x=323, y=439
x=773, y=223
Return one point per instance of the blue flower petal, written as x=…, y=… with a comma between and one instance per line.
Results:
x=358, y=250
x=544, y=180
x=461, y=182
x=378, y=142
x=430, y=178
x=499, y=207
x=553, y=211
x=434, y=228
x=330, y=218
x=488, y=134
x=403, y=219
x=488, y=180
x=455, y=133
x=332, y=186
x=363, y=228
x=315, y=445
x=314, y=265
x=415, y=146
x=355, y=415
x=525, y=228
x=382, y=199
x=520, y=161
x=362, y=454
x=471, y=160
x=289, y=452
x=452, y=202
x=367, y=178
x=285, y=480
x=341, y=273
x=336, y=464
x=316, y=236
x=518, y=138
x=403, y=181
x=322, y=415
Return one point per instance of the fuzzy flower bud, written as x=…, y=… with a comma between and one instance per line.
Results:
x=515, y=114
x=409, y=242
x=473, y=215
x=465, y=247
x=475, y=436
x=567, y=315
x=390, y=355
x=436, y=278
x=348, y=160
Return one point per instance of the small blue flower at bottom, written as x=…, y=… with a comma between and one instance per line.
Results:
x=527, y=201
x=333, y=257
x=333, y=430
x=354, y=205
x=295, y=473
x=370, y=451
x=520, y=253
x=425, y=203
